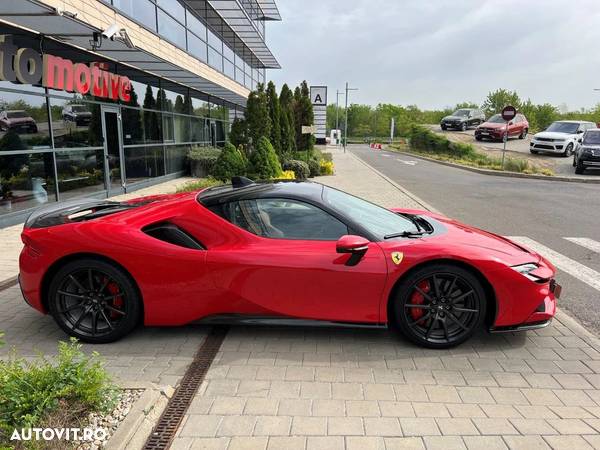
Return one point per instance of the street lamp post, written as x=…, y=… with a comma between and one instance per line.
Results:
x=337, y=112
x=346, y=121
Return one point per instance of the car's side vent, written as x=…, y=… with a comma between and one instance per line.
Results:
x=172, y=234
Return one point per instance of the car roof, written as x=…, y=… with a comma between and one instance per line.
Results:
x=574, y=121
x=302, y=190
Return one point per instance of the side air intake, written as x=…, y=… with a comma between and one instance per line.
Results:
x=171, y=233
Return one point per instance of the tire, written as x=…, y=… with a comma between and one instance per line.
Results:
x=105, y=313
x=478, y=138
x=579, y=169
x=463, y=126
x=429, y=326
x=524, y=133
x=534, y=152
x=568, y=150
x=574, y=162
x=443, y=127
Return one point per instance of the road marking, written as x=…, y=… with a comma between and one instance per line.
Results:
x=408, y=163
x=385, y=154
x=590, y=244
x=562, y=262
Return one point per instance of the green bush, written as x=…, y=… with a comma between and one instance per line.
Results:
x=74, y=385
x=264, y=163
x=200, y=184
x=425, y=140
x=230, y=163
x=202, y=160
x=300, y=168
x=314, y=167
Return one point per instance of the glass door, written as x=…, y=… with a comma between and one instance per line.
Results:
x=113, y=150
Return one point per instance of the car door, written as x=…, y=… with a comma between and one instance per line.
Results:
x=290, y=267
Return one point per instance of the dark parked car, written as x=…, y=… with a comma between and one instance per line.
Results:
x=462, y=119
x=79, y=114
x=18, y=120
x=587, y=154
x=495, y=128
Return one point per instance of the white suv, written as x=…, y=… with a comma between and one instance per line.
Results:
x=560, y=137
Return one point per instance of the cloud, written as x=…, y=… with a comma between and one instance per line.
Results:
x=435, y=53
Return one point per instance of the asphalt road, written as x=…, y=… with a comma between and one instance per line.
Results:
x=544, y=211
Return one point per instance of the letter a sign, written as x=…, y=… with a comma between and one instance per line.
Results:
x=318, y=95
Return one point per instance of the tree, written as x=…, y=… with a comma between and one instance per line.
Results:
x=275, y=116
x=288, y=128
x=238, y=135
x=497, y=100
x=230, y=163
x=257, y=116
x=303, y=114
x=264, y=163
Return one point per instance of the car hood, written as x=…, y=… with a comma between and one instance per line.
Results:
x=493, y=125
x=553, y=135
x=20, y=120
x=453, y=238
x=454, y=118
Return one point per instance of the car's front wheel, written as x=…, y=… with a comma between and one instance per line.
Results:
x=463, y=126
x=440, y=306
x=568, y=150
x=94, y=301
x=579, y=168
x=523, y=134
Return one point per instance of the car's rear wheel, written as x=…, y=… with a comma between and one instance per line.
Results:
x=94, y=301
x=440, y=306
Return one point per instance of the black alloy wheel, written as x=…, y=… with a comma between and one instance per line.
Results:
x=440, y=306
x=568, y=150
x=93, y=301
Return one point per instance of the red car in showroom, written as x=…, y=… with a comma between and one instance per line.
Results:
x=277, y=252
x=496, y=129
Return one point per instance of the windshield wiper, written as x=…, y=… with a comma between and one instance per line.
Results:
x=409, y=234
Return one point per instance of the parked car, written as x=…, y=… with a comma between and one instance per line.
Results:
x=79, y=114
x=560, y=137
x=462, y=119
x=587, y=154
x=276, y=253
x=495, y=128
x=17, y=120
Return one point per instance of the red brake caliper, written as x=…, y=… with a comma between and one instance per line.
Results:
x=117, y=302
x=418, y=299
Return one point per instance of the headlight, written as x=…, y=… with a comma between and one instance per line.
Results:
x=526, y=269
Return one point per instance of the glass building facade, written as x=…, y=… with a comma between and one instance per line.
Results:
x=58, y=143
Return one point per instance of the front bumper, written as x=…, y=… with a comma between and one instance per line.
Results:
x=524, y=327
x=489, y=134
x=547, y=146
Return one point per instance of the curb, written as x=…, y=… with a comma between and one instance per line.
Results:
x=409, y=194
x=8, y=283
x=497, y=173
x=133, y=432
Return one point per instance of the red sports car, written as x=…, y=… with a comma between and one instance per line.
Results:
x=278, y=252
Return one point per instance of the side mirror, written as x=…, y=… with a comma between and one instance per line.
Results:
x=511, y=123
x=352, y=244
x=580, y=140
x=579, y=131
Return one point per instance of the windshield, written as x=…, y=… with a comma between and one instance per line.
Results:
x=16, y=114
x=591, y=138
x=496, y=119
x=461, y=113
x=377, y=220
x=564, y=127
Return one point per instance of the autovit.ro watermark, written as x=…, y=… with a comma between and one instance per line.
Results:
x=58, y=434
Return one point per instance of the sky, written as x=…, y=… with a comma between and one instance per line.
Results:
x=436, y=53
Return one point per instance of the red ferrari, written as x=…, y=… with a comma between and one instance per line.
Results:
x=277, y=253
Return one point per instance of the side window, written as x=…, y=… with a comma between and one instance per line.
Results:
x=285, y=219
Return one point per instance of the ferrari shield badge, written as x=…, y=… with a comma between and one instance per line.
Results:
x=397, y=257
